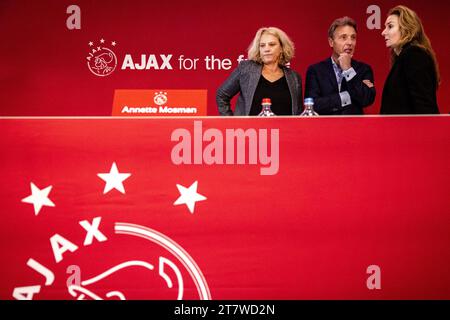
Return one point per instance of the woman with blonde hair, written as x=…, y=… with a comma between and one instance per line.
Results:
x=263, y=75
x=411, y=85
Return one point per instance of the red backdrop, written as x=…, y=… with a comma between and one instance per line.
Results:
x=44, y=69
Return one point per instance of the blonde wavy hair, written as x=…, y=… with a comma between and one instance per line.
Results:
x=287, y=46
x=412, y=31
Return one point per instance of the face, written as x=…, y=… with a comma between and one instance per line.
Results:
x=344, y=40
x=391, y=32
x=269, y=48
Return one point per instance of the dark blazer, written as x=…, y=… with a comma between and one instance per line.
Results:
x=322, y=86
x=244, y=80
x=411, y=85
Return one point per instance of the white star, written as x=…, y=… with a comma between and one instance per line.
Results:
x=113, y=43
x=39, y=198
x=189, y=196
x=102, y=40
x=114, y=179
x=91, y=43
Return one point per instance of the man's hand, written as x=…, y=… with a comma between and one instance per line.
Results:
x=368, y=83
x=345, y=61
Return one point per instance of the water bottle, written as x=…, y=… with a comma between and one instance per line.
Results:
x=266, y=110
x=309, y=108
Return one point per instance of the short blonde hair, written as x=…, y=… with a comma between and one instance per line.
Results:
x=287, y=46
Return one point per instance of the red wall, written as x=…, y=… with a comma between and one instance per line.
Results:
x=44, y=69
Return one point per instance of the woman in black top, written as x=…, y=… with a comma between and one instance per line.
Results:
x=411, y=85
x=263, y=75
x=278, y=91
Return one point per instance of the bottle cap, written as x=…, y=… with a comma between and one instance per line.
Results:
x=266, y=100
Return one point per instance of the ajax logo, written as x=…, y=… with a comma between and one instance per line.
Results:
x=101, y=60
x=163, y=270
x=107, y=259
x=173, y=269
x=160, y=98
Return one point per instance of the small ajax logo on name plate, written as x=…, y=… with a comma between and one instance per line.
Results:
x=160, y=98
x=101, y=60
